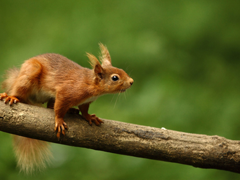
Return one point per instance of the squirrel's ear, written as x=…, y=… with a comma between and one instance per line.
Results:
x=105, y=56
x=95, y=65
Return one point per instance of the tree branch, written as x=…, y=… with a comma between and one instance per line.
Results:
x=123, y=138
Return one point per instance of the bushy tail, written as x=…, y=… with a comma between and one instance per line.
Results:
x=31, y=154
x=10, y=77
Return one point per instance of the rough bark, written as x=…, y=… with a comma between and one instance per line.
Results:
x=123, y=138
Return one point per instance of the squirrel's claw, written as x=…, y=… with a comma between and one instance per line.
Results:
x=93, y=118
x=10, y=99
x=3, y=95
x=60, y=127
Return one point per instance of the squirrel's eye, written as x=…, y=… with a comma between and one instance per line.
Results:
x=115, y=78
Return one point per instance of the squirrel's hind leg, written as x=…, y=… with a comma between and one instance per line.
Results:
x=26, y=82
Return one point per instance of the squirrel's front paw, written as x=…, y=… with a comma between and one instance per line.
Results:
x=10, y=99
x=60, y=127
x=93, y=118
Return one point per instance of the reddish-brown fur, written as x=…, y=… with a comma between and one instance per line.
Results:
x=63, y=83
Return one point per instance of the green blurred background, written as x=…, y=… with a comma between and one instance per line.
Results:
x=183, y=55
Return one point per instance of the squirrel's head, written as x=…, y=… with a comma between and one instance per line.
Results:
x=110, y=79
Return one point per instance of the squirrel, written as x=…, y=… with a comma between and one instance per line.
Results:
x=61, y=83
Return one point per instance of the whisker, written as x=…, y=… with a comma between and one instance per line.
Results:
x=116, y=100
x=125, y=94
x=112, y=98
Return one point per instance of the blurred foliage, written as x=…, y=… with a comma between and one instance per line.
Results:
x=183, y=55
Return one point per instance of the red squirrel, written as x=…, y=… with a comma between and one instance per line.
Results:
x=62, y=83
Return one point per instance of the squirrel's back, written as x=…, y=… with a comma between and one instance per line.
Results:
x=57, y=69
x=57, y=61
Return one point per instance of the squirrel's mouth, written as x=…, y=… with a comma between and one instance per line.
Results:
x=123, y=90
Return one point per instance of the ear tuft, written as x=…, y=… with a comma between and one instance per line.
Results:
x=93, y=60
x=95, y=65
x=105, y=56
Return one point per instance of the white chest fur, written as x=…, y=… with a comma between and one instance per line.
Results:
x=91, y=99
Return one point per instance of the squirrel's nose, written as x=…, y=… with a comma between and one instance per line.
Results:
x=131, y=81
